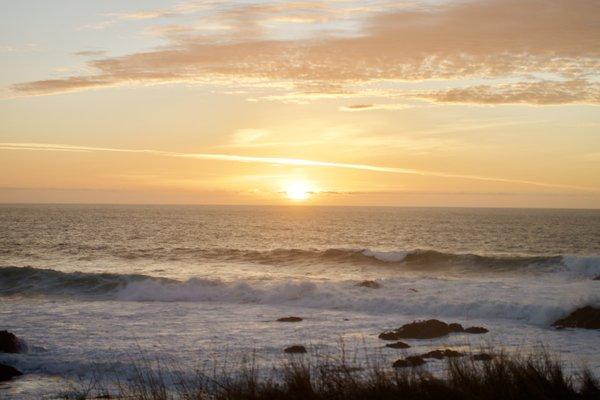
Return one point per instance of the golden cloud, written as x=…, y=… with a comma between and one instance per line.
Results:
x=497, y=39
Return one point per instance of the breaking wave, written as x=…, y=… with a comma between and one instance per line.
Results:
x=432, y=296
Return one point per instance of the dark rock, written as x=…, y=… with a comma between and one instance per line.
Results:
x=597, y=278
x=9, y=343
x=586, y=317
x=296, y=349
x=289, y=319
x=7, y=372
x=429, y=329
x=441, y=354
x=454, y=327
x=369, y=284
x=398, y=345
x=412, y=361
x=482, y=357
x=437, y=354
x=413, y=290
x=389, y=335
x=453, y=353
x=476, y=330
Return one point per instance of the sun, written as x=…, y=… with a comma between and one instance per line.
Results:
x=297, y=191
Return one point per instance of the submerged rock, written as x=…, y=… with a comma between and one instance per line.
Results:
x=397, y=345
x=476, y=330
x=369, y=284
x=441, y=354
x=9, y=343
x=409, y=362
x=7, y=372
x=289, y=319
x=296, y=349
x=586, y=317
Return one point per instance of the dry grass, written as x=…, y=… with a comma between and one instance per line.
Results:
x=506, y=377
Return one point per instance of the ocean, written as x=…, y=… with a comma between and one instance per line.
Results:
x=94, y=288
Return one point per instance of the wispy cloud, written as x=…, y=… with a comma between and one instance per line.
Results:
x=500, y=39
x=284, y=161
x=374, y=107
x=90, y=53
x=535, y=93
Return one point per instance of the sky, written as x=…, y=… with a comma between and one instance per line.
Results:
x=474, y=103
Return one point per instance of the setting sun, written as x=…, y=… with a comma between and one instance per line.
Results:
x=297, y=191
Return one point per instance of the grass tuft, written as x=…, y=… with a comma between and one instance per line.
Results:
x=505, y=377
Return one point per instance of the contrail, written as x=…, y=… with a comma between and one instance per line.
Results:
x=282, y=161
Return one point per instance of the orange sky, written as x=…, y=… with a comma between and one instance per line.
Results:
x=427, y=103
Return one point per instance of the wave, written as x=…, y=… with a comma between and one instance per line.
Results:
x=402, y=295
x=414, y=260
x=410, y=259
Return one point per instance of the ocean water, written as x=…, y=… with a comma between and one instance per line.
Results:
x=94, y=288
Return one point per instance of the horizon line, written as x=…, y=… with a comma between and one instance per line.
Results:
x=291, y=205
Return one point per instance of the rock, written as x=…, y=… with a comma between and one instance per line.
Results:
x=441, y=354
x=289, y=319
x=476, y=330
x=389, y=335
x=437, y=354
x=429, y=329
x=597, y=278
x=397, y=345
x=9, y=343
x=7, y=372
x=586, y=317
x=413, y=290
x=369, y=284
x=482, y=357
x=296, y=349
x=454, y=327
x=452, y=353
x=409, y=362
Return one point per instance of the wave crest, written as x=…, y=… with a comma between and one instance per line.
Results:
x=432, y=296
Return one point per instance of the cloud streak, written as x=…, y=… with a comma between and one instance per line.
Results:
x=455, y=40
x=535, y=93
x=283, y=161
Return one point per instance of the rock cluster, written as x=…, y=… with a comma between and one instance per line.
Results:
x=9, y=343
x=586, y=317
x=409, y=362
x=429, y=329
x=7, y=372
